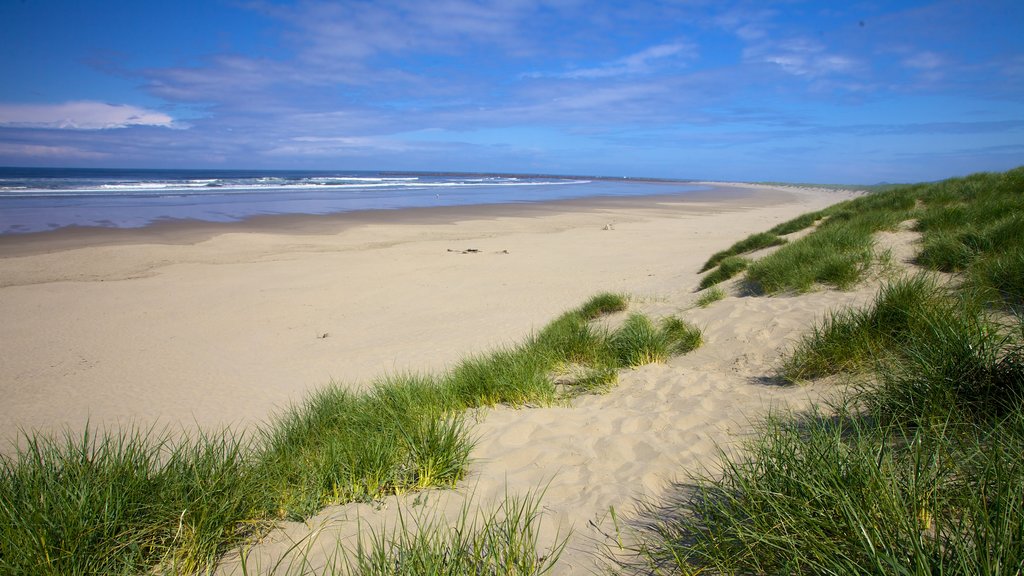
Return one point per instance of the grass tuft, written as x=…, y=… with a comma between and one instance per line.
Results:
x=128, y=501
x=727, y=268
x=640, y=342
x=841, y=495
x=710, y=296
x=797, y=224
x=749, y=244
x=506, y=541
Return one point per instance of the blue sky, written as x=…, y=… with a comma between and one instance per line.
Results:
x=856, y=92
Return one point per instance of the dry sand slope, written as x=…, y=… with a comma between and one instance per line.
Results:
x=229, y=328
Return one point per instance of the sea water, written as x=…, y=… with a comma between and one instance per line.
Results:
x=42, y=199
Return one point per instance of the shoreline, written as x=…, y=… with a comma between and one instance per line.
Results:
x=191, y=231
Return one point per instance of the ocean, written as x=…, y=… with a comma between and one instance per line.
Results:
x=43, y=199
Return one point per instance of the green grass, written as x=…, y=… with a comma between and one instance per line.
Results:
x=850, y=340
x=134, y=502
x=710, y=296
x=837, y=255
x=124, y=502
x=975, y=226
x=726, y=269
x=505, y=541
x=918, y=469
x=748, y=244
x=839, y=252
x=640, y=342
x=842, y=495
x=797, y=224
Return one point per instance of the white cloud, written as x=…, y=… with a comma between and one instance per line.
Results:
x=639, y=63
x=81, y=115
x=801, y=57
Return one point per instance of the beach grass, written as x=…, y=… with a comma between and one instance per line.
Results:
x=850, y=340
x=503, y=541
x=836, y=254
x=639, y=341
x=127, y=501
x=917, y=468
x=917, y=473
x=726, y=269
x=839, y=494
x=748, y=244
x=132, y=501
x=797, y=224
x=710, y=296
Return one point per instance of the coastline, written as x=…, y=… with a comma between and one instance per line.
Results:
x=208, y=328
x=189, y=231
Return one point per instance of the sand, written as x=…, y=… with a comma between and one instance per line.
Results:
x=209, y=326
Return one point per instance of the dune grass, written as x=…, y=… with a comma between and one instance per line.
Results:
x=919, y=473
x=748, y=244
x=975, y=225
x=797, y=224
x=124, y=502
x=131, y=501
x=504, y=541
x=917, y=470
x=837, y=253
x=710, y=296
x=726, y=269
x=842, y=495
x=851, y=340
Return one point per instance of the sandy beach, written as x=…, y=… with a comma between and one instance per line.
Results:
x=214, y=326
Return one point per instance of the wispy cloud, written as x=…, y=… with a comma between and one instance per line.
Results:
x=801, y=57
x=655, y=58
x=82, y=115
x=26, y=152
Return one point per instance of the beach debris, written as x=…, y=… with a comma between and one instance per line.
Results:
x=466, y=251
x=322, y=335
x=609, y=226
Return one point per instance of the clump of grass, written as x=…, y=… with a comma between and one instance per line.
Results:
x=506, y=541
x=124, y=502
x=513, y=376
x=955, y=364
x=640, y=342
x=603, y=304
x=849, y=340
x=727, y=268
x=839, y=251
x=837, y=254
x=710, y=296
x=841, y=495
x=796, y=224
x=748, y=244
x=1001, y=275
x=343, y=447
